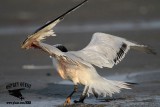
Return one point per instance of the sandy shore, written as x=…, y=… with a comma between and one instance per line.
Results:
x=47, y=94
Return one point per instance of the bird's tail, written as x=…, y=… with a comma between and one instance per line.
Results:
x=104, y=87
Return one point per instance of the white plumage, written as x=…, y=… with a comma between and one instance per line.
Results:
x=104, y=50
x=101, y=52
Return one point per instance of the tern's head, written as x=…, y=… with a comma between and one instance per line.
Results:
x=61, y=47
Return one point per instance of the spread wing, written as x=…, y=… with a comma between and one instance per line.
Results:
x=47, y=29
x=105, y=50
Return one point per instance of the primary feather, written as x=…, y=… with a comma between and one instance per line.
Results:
x=47, y=29
x=105, y=50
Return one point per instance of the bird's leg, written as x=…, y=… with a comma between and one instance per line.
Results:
x=81, y=99
x=68, y=100
x=83, y=96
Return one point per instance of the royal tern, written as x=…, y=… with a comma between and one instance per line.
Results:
x=104, y=50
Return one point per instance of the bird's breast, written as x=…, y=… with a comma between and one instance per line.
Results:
x=67, y=71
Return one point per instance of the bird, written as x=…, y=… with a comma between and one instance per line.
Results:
x=103, y=51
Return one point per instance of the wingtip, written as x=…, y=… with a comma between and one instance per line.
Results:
x=24, y=44
x=150, y=50
x=131, y=84
x=145, y=49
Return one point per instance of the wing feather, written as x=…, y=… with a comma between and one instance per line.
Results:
x=47, y=29
x=105, y=50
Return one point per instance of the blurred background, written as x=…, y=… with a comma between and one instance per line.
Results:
x=136, y=20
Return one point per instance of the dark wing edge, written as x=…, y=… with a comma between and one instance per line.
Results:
x=61, y=17
x=105, y=50
x=46, y=30
x=144, y=48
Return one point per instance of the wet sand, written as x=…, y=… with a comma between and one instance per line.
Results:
x=137, y=21
x=146, y=93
